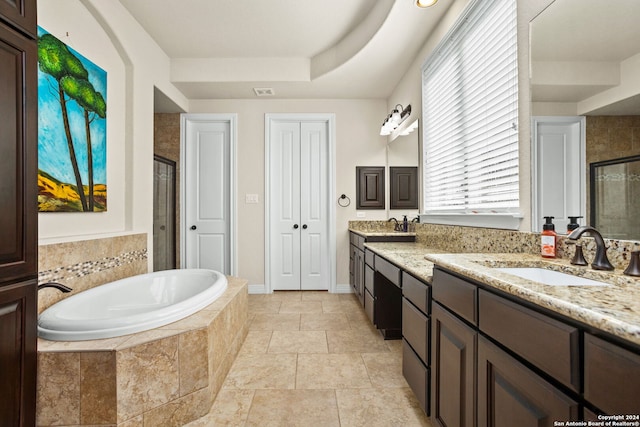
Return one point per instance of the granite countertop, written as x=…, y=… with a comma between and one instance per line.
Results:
x=614, y=309
x=409, y=255
x=384, y=233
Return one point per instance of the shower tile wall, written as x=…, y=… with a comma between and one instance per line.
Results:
x=85, y=264
x=166, y=143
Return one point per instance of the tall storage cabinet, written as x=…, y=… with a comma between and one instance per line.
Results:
x=18, y=212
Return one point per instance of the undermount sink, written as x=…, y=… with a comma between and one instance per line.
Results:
x=550, y=277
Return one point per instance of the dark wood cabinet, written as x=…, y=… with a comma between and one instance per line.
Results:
x=20, y=14
x=453, y=365
x=18, y=354
x=18, y=156
x=18, y=212
x=370, y=187
x=403, y=192
x=611, y=377
x=509, y=394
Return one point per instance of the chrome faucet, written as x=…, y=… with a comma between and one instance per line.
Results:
x=58, y=286
x=600, y=262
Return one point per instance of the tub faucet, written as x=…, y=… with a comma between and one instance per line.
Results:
x=600, y=262
x=58, y=286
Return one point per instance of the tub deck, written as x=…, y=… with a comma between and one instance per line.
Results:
x=165, y=376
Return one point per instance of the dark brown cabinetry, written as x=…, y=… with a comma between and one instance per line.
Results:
x=416, y=336
x=453, y=397
x=533, y=367
x=509, y=394
x=18, y=214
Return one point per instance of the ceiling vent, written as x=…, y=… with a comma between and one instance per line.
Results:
x=264, y=91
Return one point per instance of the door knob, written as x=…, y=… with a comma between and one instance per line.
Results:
x=193, y=227
x=295, y=226
x=304, y=226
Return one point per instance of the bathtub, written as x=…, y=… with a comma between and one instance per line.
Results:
x=130, y=305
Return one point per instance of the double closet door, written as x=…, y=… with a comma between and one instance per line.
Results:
x=298, y=247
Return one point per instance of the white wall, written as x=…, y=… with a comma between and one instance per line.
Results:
x=357, y=144
x=105, y=33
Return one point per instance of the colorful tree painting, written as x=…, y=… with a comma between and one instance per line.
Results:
x=72, y=111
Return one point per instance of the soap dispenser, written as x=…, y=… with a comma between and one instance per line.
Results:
x=548, y=238
x=573, y=224
x=405, y=224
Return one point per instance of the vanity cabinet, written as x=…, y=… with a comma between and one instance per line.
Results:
x=18, y=212
x=454, y=347
x=522, y=365
x=611, y=376
x=416, y=337
x=511, y=394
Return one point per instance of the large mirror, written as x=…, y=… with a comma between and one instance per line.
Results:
x=585, y=61
x=404, y=152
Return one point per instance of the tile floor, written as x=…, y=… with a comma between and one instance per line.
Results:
x=313, y=359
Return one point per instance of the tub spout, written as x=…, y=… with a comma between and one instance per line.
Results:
x=58, y=286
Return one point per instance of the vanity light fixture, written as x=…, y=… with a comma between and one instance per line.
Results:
x=394, y=119
x=425, y=3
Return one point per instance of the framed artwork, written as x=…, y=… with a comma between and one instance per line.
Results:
x=72, y=123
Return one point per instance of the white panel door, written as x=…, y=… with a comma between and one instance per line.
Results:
x=207, y=198
x=298, y=247
x=285, y=205
x=559, y=173
x=313, y=207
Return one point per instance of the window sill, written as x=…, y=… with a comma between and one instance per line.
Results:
x=506, y=221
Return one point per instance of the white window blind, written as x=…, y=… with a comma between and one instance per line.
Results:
x=470, y=114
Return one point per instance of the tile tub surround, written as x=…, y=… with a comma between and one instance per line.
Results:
x=85, y=264
x=167, y=376
x=457, y=239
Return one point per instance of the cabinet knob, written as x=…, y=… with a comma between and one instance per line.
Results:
x=193, y=227
x=304, y=226
x=295, y=226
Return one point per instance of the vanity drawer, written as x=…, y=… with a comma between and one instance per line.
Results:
x=416, y=291
x=456, y=294
x=547, y=343
x=369, y=257
x=388, y=270
x=369, y=306
x=417, y=375
x=415, y=329
x=611, y=376
x=368, y=279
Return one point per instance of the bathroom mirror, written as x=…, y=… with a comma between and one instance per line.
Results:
x=404, y=151
x=585, y=61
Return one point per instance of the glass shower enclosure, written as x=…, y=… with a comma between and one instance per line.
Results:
x=164, y=213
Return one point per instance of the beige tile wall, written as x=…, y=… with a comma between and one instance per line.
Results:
x=82, y=265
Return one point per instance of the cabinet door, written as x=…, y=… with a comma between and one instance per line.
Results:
x=511, y=395
x=20, y=13
x=453, y=365
x=18, y=156
x=18, y=354
x=611, y=377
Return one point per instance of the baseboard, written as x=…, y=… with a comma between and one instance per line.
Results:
x=256, y=289
x=344, y=289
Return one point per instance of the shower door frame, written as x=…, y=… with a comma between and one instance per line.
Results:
x=174, y=212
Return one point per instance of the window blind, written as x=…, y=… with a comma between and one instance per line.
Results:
x=470, y=114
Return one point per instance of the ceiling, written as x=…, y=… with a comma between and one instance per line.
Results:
x=578, y=48
x=223, y=49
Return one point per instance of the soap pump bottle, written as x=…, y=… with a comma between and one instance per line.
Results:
x=548, y=239
x=573, y=224
x=405, y=224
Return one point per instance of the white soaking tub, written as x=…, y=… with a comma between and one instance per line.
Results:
x=130, y=305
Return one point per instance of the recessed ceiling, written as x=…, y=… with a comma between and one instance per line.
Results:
x=578, y=51
x=222, y=49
